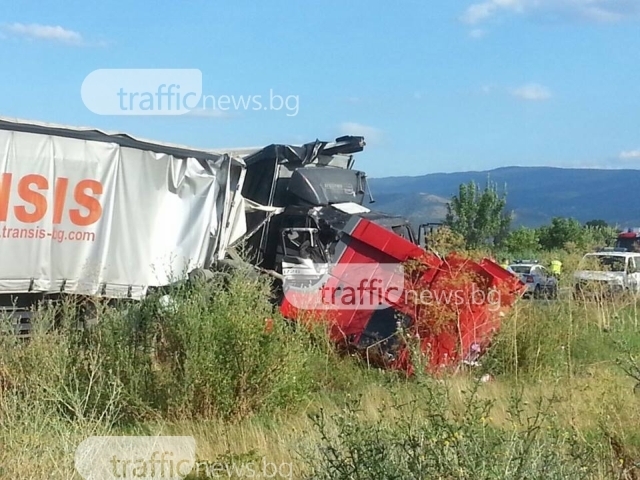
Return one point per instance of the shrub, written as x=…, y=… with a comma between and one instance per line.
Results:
x=424, y=436
x=217, y=349
x=228, y=353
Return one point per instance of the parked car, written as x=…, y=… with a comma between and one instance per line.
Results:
x=538, y=279
x=608, y=272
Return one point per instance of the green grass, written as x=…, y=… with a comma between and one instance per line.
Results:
x=560, y=404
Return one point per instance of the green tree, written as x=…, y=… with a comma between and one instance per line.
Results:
x=562, y=231
x=522, y=240
x=478, y=214
x=601, y=236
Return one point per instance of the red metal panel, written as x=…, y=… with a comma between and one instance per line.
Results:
x=459, y=315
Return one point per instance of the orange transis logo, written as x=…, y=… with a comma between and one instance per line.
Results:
x=24, y=200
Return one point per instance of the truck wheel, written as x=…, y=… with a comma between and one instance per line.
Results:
x=231, y=267
x=200, y=275
x=88, y=313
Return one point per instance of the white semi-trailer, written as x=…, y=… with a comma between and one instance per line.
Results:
x=93, y=213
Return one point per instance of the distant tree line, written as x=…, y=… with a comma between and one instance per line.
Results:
x=478, y=217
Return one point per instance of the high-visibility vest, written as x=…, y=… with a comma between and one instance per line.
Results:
x=556, y=266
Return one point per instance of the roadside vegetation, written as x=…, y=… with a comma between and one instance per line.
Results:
x=219, y=364
x=556, y=396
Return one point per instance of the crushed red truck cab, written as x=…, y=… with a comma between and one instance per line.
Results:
x=364, y=272
x=452, y=306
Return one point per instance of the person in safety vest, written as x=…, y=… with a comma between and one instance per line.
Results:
x=506, y=265
x=556, y=267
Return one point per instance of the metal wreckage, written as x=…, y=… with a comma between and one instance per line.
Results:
x=96, y=214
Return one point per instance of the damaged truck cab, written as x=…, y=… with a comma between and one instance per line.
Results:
x=309, y=225
x=313, y=191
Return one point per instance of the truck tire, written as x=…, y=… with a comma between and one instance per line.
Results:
x=230, y=266
x=200, y=275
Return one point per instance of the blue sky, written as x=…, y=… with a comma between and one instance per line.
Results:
x=433, y=86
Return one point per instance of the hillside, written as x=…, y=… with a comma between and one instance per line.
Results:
x=535, y=194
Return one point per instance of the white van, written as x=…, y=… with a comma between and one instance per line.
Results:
x=612, y=271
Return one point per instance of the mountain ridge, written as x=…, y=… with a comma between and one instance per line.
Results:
x=534, y=194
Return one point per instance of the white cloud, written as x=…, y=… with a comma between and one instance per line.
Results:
x=532, y=92
x=50, y=33
x=44, y=32
x=601, y=11
x=371, y=135
x=630, y=155
x=479, y=12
